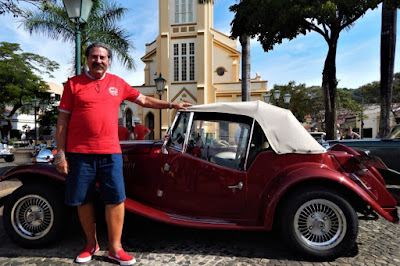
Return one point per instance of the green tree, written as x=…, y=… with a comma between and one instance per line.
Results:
x=48, y=119
x=302, y=101
x=11, y=6
x=369, y=93
x=244, y=40
x=309, y=101
x=19, y=80
x=53, y=22
x=273, y=21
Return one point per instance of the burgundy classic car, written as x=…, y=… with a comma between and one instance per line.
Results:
x=236, y=166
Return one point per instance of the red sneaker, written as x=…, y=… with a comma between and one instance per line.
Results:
x=122, y=257
x=86, y=255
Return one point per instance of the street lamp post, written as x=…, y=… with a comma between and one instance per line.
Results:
x=78, y=12
x=286, y=99
x=160, y=85
x=42, y=106
x=277, y=94
x=267, y=97
x=122, y=108
x=35, y=104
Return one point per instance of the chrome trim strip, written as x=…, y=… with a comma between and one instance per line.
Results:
x=248, y=145
x=188, y=128
x=197, y=220
x=357, y=180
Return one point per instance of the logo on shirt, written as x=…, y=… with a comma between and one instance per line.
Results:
x=113, y=91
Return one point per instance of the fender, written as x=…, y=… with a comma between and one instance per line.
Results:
x=298, y=173
x=28, y=173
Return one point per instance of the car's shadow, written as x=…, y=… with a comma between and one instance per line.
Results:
x=146, y=236
x=142, y=237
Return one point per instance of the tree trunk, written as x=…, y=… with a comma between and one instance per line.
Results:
x=388, y=44
x=329, y=84
x=245, y=42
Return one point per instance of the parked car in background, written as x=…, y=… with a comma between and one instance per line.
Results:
x=387, y=149
x=235, y=166
x=5, y=153
x=318, y=136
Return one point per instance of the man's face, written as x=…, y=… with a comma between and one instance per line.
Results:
x=98, y=62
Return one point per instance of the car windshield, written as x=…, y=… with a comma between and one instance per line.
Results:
x=214, y=137
x=395, y=134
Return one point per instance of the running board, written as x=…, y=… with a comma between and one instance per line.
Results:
x=181, y=220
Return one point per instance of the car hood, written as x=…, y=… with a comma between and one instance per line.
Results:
x=284, y=132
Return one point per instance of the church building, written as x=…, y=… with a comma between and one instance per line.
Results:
x=200, y=64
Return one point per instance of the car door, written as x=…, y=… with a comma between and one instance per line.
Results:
x=204, y=173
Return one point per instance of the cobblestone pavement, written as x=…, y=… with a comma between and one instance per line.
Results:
x=157, y=244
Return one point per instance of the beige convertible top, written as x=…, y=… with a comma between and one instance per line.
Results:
x=284, y=132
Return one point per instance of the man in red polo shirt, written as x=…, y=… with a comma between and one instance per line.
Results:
x=87, y=134
x=123, y=132
x=140, y=131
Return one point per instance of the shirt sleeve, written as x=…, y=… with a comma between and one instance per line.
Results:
x=67, y=99
x=131, y=94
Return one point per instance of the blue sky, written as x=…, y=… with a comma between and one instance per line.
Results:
x=300, y=60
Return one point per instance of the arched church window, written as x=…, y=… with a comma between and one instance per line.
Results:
x=128, y=118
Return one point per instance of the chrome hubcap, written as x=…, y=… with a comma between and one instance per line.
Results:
x=320, y=224
x=32, y=217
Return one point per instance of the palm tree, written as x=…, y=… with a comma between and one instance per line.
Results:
x=246, y=62
x=52, y=21
x=388, y=44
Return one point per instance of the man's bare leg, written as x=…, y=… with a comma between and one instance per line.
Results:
x=115, y=221
x=88, y=222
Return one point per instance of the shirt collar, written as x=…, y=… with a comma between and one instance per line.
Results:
x=90, y=76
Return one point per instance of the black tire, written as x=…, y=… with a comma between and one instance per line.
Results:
x=318, y=223
x=34, y=215
x=9, y=159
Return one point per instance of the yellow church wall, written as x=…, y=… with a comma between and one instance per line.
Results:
x=219, y=36
x=222, y=59
x=213, y=49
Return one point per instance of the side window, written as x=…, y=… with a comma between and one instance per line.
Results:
x=178, y=132
x=219, y=138
x=258, y=144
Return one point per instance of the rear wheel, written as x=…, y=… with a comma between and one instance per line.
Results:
x=34, y=215
x=319, y=223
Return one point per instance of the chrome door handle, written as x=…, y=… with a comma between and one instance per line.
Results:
x=239, y=186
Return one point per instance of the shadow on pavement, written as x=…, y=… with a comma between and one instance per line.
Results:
x=142, y=236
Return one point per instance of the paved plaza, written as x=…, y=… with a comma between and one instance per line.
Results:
x=158, y=244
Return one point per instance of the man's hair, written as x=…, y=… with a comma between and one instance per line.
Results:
x=99, y=44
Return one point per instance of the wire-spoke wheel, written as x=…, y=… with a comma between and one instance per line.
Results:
x=34, y=215
x=318, y=222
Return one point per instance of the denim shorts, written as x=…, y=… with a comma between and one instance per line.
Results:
x=87, y=169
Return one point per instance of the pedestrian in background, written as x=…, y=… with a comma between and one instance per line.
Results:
x=87, y=135
x=123, y=132
x=140, y=131
x=350, y=134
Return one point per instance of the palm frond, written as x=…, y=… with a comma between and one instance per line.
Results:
x=54, y=23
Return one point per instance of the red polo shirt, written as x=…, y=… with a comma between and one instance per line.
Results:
x=123, y=133
x=140, y=131
x=93, y=105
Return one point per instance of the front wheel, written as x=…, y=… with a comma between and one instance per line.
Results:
x=319, y=223
x=34, y=215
